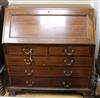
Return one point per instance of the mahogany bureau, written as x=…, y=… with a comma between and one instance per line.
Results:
x=49, y=49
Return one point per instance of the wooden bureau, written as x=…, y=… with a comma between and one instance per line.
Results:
x=49, y=49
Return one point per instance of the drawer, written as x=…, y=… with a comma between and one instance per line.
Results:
x=49, y=72
x=49, y=61
x=46, y=82
x=70, y=50
x=26, y=50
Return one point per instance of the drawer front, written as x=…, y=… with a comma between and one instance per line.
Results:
x=49, y=61
x=70, y=50
x=46, y=82
x=26, y=50
x=49, y=72
x=48, y=50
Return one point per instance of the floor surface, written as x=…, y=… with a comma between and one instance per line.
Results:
x=43, y=95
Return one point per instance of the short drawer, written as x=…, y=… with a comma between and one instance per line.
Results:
x=46, y=82
x=70, y=50
x=49, y=61
x=26, y=50
x=53, y=72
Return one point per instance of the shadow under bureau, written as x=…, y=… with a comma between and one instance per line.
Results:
x=49, y=49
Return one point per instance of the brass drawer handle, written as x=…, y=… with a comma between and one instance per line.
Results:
x=30, y=84
x=27, y=51
x=67, y=52
x=28, y=61
x=66, y=85
x=44, y=65
x=70, y=63
x=68, y=74
x=29, y=73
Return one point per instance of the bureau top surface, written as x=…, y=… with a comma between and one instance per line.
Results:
x=48, y=26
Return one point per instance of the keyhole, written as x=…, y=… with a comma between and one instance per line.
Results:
x=48, y=11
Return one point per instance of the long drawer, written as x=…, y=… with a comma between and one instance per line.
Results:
x=49, y=61
x=49, y=82
x=49, y=72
